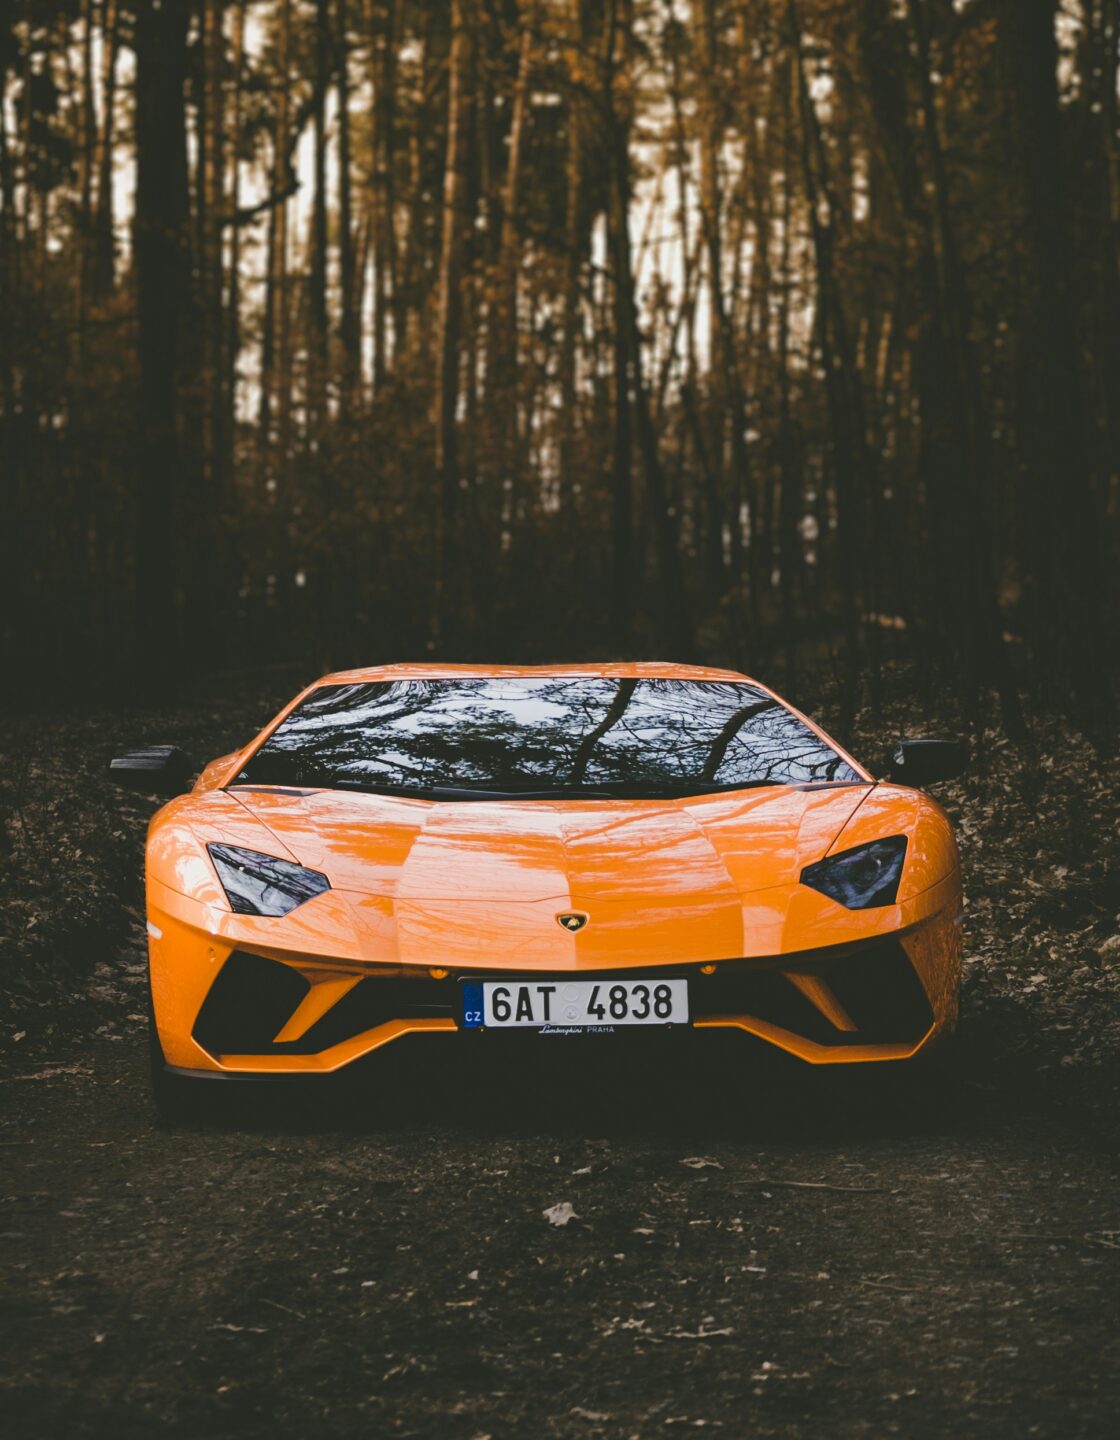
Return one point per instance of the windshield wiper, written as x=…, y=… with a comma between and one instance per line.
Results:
x=616, y=790
x=471, y=792
x=306, y=778
x=678, y=789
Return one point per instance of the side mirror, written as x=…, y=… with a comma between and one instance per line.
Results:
x=924, y=762
x=158, y=770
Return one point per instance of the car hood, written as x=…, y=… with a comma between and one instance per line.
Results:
x=482, y=884
x=578, y=853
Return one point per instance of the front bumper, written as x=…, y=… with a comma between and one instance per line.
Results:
x=234, y=1007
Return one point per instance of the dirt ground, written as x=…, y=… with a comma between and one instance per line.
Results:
x=750, y=1250
x=746, y=1253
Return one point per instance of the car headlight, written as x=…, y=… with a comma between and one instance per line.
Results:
x=257, y=884
x=861, y=878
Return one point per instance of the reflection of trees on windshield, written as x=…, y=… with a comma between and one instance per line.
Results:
x=728, y=733
x=510, y=734
x=623, y=695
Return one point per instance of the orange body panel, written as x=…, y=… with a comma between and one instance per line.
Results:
x=473, y=888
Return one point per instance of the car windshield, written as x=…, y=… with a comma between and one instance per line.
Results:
x=543, y=737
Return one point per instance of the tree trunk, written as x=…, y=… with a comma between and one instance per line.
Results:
x=1061, y=560
x=622, y=481
x=211, y=191
x=349, y=319
x=842, y=388
x=388, y=297
x=733, y=409
x=104, y=248
x=162, y=274
x=455, y=220
x=789, y=542
x=709, y=459
x=630, y=390
x=317, y=280
x=87, y=163
x=233, y=314
x=509, y=254
x=574, y=239
x=274, y=319
x=953, y=393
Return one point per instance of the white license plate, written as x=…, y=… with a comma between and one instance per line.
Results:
x=550, y=1004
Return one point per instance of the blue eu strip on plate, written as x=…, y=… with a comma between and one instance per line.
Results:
x=472, y=1007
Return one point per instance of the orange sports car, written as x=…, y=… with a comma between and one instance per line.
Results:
x=560, y=850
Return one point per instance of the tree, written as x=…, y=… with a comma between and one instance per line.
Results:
x=162, y=283
x=742, y=327
x=454, y=224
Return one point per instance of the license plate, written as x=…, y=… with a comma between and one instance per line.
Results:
x=573, y=1004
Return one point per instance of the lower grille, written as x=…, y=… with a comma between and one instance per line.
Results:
x=252, y=998
x=880, y=990
x=373, y=1002
x=247, y=1005
x=764, y=994
x=876, y=986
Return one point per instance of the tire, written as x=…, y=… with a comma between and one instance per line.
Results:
x=176, y=1099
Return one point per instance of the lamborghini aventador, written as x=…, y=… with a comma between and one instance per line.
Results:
x=554, y=852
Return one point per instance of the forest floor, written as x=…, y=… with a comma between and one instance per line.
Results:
x=750, y=1252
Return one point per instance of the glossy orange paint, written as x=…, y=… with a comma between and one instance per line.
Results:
x=477, y=887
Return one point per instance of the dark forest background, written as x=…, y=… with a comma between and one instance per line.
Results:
x=777, y=332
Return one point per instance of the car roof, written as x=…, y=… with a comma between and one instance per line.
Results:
x=609, y=669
